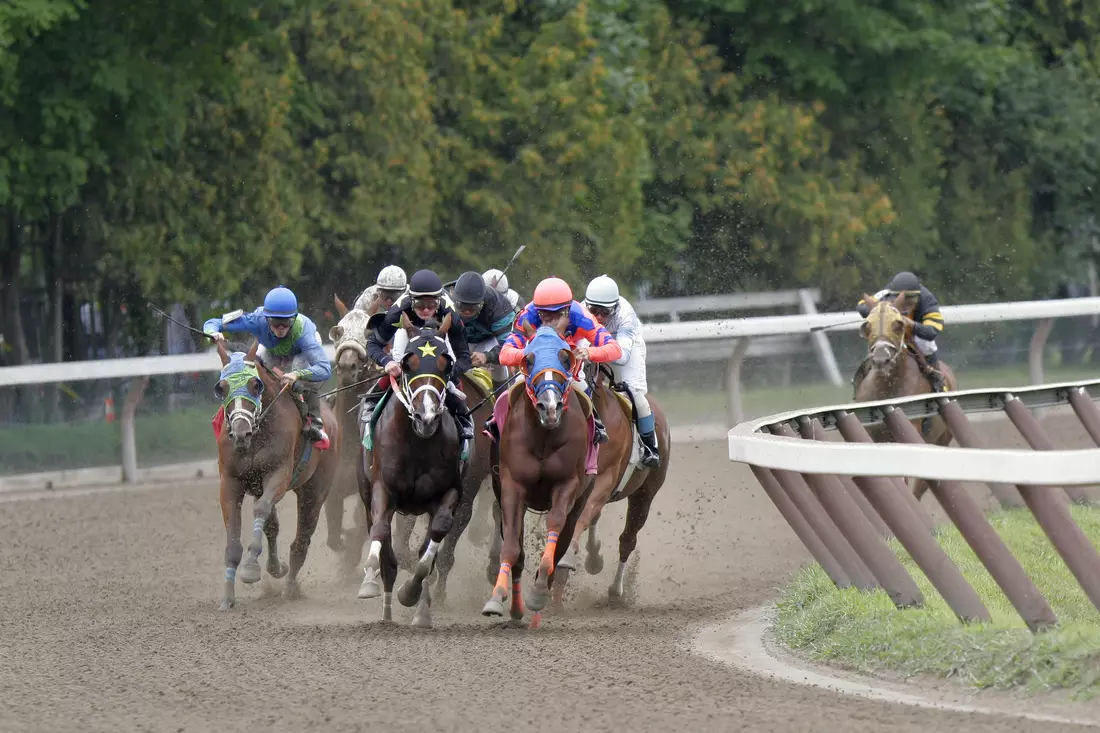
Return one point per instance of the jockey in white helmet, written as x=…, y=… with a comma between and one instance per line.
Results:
x=498, y=281
x=616, y=315
x=380, y=297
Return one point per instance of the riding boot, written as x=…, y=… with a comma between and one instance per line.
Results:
x=464, y=420
x=313, y=425
x=368, y=402
x=601, y=431
x=651, y=456
x=935, y=376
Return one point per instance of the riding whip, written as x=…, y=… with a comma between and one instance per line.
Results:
x=162, y=314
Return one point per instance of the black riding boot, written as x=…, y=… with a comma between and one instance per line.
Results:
x=313, y=426
x=651, y=456
x=366, y=408
x=464, y=419
x=601, y=431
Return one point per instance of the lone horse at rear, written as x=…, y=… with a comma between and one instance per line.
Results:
x=891, y=369
x=263, y=453
x=620, y=476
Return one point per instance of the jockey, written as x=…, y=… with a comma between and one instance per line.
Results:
x=287, y=339
x=553, y=305
x=498, y=281
x=378, y=298
x=487, y=317
x=617, y=315
x=423, y=301
x=921, y=306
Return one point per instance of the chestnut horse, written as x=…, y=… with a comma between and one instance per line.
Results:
x=620, y=476
x=349, y=337
x=545, y=447
x=414, y=468
x=262, y=452
x=891, y=370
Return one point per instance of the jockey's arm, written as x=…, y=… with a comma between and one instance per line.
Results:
x=238, y=322
x=928, y=317
x=382, y=335
x=459, y=344
x=624, y=337
x=309, y=346
x=511, y=353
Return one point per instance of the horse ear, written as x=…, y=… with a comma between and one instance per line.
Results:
x=443, y=329
x=336, y=333
x=406, y=323
x=869, y=300
x=529, y=361
x=222, y=353
x=899, y=302
x=340, y=307
x=252, y=351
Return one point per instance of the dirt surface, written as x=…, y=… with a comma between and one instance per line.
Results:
x=108, y=622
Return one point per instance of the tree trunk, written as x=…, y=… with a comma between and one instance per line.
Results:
x=55, y=288
x=11, y=320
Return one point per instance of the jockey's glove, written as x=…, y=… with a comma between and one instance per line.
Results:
x=925, y=332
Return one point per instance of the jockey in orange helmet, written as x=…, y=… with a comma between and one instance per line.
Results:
x=553, y=305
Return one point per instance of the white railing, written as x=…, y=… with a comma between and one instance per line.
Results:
x=740, y=331
x=749, y=445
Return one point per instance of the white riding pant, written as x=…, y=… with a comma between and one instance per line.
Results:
x=633, y=373
x=498, y=372
x=923, y=346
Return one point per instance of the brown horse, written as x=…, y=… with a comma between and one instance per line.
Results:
x=545, y=441
x=891, y=370
x=262, y=452
x=414, y=469
x=349, y=337
x=620, y=476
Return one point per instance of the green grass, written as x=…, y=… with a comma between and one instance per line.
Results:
x=864, y=632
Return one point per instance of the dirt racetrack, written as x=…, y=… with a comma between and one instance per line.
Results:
x=108, y=622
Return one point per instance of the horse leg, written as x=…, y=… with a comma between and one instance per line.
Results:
x=381, y=512
x=389, y=577
x=446, y=561
x=496, y=545
x=539, y=595
x=442, y=519
x=512, y=501
x=275, y=486
x=594, y=562
x=480, y=524
x=231, y=498
x=353, y=544
x=310, y=500
x=334, y=514
x=637, y=511
x=406, y=560
x=275, y=568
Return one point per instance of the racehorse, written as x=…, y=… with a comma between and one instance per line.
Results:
x=620, y=475
x=349, y=337
x=891, y=370
x=262, y=452
x=414, y=468
x=546, y=454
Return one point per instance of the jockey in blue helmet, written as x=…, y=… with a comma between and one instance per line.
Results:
x=290, y=342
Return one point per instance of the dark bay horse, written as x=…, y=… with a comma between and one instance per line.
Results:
x=620, y=475
x=414, y=469
x=545, y=444
x=349, y=337
x=262, y=453
x=891, y=370
x=477, y=386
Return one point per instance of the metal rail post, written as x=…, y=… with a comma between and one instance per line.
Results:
x=1033, y=433
x=964, y=433
x=980, y=535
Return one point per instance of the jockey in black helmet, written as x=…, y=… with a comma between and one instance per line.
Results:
x=487, y=317
x=922, y=307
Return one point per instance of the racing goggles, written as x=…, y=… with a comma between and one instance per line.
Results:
x=280, y=322
x=426, y=301
x=601, y=311
x=468, y=310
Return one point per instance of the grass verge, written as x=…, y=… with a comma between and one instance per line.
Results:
x=864, y=632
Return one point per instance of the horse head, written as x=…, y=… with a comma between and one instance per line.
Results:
x=884, y=331
x=349, y=337
x=425, y=369
x=240, y=390
x=548, y=368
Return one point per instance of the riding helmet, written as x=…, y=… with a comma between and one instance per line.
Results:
x=280, y=303
x=470, y=289
x=425, y=283
x=496, y=280
x=391, y=277
x=602, y=292
x=904, y=282
x=552, y=294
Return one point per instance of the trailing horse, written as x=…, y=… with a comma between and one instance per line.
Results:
x=546, y=455
x=620, y=475
x=414, y=468
x=349, y=337
x=891, y=370
x=262, y=452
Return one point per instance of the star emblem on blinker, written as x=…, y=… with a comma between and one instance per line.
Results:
x=427, y=349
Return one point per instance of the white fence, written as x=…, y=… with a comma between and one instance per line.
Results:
x=738, y=332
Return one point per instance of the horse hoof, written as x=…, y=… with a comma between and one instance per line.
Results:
x=370, y=587
x=249, y=572
x=422, y=620
x=278, y=570
x=226, y=605
x=568, y=562
x=335, y=544
x=539, y=595
x=292, y=591
x=593, y=564
x=493, y=608
x=408, y=594
x=615, y=593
